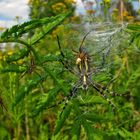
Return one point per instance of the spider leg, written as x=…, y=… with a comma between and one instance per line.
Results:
x=64, y=63
x=84, y=40
x=101, y=92
x=23, y=74
x=111, y=93
x=66, y=100
x=106, y=90
x=69, y=97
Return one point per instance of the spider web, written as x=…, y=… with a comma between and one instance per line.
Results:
x=104, y=43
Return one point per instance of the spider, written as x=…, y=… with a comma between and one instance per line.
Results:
x=84, y=72
x=31, y=67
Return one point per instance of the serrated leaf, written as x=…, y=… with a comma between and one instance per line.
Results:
x=25, y=89
x=134, y=27
x=48, y=24
x=88, y=129
x=76, y=128
x=134, y=78
x=46, y=100
x=125, y=134
x=91, y=100
x=94, y=117
x=16, y=56
x=49, y=57
x=19, y=30
x=51, y=24
x=62, y=118
x=13, y=68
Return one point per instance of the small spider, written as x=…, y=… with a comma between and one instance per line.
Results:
x=31, y=67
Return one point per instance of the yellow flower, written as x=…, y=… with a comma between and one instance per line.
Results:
x=125, y=13
x=70, y=1
x=75, y=19
x=20, y=61
x=106, y=1
x=90, y=12
x=59, y=7
x=10, y=52
x=59, y=29
x=130, y=17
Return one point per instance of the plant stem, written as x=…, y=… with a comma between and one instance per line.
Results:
x=27, y=121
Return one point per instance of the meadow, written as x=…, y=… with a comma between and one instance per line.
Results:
x=68, y=81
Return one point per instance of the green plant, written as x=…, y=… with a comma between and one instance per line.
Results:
x=45, y=82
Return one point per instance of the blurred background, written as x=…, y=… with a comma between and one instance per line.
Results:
x=14, y=12
x=90, y=116
x=119, y=11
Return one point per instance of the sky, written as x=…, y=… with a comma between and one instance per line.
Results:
x=9, y=9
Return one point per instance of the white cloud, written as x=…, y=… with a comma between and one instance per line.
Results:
x=4, y=23
x=9, y=9
x=80, y=7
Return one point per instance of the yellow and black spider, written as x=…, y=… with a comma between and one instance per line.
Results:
x=85, y=73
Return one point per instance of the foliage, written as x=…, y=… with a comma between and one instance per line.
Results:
x=49, y=8
x=31, y=87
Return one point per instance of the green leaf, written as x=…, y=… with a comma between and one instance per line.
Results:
x=94, y=117
x=88, y=129
x=4, y=134
x=134, y=78
x=16, y=56
x=134, y=27
x=62, y=118
x=13, y=68
x=125, y=134
x=50, y=57
x=46, y=101
x=25, y=89
x=19, y=30
x=76, y=128
x=92, y=100
x=48, y=24
x=51, y=24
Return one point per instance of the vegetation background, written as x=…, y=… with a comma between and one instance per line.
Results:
x=33, y=77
